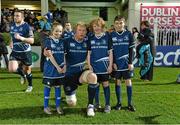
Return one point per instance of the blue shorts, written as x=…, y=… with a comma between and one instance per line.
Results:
x=53, y=82
x=24, y=57
x=122, y=74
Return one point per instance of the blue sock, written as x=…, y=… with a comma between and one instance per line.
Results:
x=129, y=94
x=91, y=92
x=58, y=96
x=118, y=93
x=107, y=95
x=20, y=72
x=46, y=96
x=29, y=79
x=97, y=95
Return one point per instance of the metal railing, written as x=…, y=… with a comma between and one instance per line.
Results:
x=168, y=36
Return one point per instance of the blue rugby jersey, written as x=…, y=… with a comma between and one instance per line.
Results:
x=122, y=42
x=23, y=30
x=76, y=54
x=67, y=34
x=99, y=47
x=57, y=48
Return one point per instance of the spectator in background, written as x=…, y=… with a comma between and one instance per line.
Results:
x=68, y=32
x=135, y=35
x=3, y=50
x=146, y=51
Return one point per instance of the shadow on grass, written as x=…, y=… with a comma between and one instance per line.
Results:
x=37, y=112
x=152, y=84
x=149, y=119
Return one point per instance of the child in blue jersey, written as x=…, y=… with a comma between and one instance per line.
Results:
x=21, y=38
x=54, y=67
x=68, y=32
x=100, y=58
x=123, y=44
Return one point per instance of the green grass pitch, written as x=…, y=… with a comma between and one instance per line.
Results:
x=157, y=102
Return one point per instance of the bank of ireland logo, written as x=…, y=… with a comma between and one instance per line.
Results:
x=35, y=57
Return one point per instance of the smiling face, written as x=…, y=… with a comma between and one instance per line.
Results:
x=57, y=31
x=97, y=29
x=97, y=25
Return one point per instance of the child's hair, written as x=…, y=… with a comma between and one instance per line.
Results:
x=54, y=25
x=119, y=17
x=146, y=23
x=98, y=21
x=81, y=24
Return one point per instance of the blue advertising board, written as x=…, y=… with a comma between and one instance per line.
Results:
x=166, y=56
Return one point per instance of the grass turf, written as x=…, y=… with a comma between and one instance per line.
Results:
x=157, y=102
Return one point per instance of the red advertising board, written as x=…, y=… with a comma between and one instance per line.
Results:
x=166, y=16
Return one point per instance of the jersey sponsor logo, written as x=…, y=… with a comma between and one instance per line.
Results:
x=98, y=44
x=84, y=45
x=79, y=47
x=120, y=40
x=72, y=45
x=92, y=42
x=21, y=29
x=12, y=27
x=114, y=39
x=126, y=38
x=53, y=46
x=103, y=41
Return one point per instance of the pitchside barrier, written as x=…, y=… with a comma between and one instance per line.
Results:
x=165, y=56
x=168, y=36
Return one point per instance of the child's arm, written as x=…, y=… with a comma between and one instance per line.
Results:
x=89, y=55
x=53, y=61
x=110, y=49
x=110, y=61
x=89, y=61
x=131, y=52
x=64, y=68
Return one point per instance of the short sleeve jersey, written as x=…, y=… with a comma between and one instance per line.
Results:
x=99, y=47
x=57, y=48
x=121, y=44
x=23, y=30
